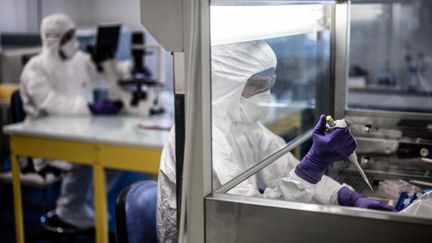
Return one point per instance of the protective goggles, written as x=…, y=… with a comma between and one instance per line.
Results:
x=67, y=36
x=259, y=83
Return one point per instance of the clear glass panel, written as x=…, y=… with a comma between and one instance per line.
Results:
x=391, y=70
x=267, y=64
x=391, y=56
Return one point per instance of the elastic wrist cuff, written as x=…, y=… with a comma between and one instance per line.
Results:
x=303, y=171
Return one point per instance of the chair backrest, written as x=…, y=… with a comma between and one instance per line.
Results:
x=136, y=213
x=16, y=108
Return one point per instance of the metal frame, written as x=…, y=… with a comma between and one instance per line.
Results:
x=317, y=208
x=267, y=2
x=324, y=90
x=232, y=218
x=378, y=224
x=179, y=119
x=198, y=101
x=236, y=219
x=249, y=219
x=341, y=56
x=382, y=1
x=389, y=114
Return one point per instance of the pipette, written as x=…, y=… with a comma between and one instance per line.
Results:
x=332, y=124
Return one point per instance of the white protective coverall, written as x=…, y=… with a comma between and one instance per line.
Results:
x=51, y=85
x=239, y=143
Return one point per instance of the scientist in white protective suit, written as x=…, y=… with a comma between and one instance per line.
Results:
x=242, y=75
x=57, y=82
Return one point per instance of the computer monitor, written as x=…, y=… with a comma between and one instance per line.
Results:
x=107, y=41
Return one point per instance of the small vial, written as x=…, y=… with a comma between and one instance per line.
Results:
x=330, y=121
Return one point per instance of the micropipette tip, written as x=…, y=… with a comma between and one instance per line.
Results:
x=353, y=159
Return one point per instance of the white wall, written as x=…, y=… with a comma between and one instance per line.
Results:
x=125, y=11
x=22, y=15
x=79, y=10
x=14, y=16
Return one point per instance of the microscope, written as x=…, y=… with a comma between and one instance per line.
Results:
x=141, y=83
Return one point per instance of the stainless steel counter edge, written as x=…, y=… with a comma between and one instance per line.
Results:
x=327, y=209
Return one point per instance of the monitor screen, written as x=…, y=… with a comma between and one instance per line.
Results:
x=107, y=40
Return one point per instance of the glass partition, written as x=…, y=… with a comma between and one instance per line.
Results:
x=269, y=87
x=389, y=99
x=269, y=64
x=391, y=56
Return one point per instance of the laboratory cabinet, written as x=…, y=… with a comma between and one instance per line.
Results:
x=367, y=61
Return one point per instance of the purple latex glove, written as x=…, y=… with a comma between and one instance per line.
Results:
x=326, y=148
x=347, y=197
x=105, y=107
x=141, y=73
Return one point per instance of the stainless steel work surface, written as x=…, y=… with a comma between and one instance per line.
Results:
x=105, y=129
x=244, y=219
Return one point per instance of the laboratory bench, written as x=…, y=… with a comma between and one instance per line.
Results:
x=110, y=142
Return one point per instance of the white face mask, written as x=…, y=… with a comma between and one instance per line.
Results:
x=255, y=108
x=70, y=48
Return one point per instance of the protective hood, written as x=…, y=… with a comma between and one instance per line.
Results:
x=232, y=66
x=53, y=27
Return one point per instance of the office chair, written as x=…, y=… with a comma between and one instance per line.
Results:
x=16, y=106
x=17, y=114
x=136, y=213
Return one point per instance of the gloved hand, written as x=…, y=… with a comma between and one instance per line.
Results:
x=326, y=148
x=347, y=197
x=105, y=107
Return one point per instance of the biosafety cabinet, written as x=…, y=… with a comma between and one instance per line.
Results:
x=369, y=61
